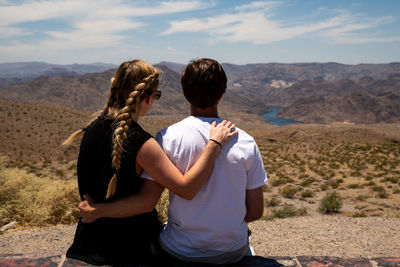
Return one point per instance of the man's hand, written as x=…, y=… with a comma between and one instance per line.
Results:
x=87, y=210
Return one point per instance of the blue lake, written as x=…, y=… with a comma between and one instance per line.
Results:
x=274, y=119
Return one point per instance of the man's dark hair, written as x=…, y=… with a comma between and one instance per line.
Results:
x=203, y=82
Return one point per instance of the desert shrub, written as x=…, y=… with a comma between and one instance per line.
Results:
x=60, y=173
x=281, y=180
x=288, y=191
x=359, y=215
x=273, y=202
x=355, y=174
x=368, y=178
x=330, y=203
x=334, y=184
x=307, y=182
x=324, y=186
x=382, y=194
x=286, y=211
x=307, y=194
x=354, y=186
x=393, y=180
x=378, y=189
x=36, y=201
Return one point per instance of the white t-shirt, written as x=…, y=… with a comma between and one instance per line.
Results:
x=213, y=222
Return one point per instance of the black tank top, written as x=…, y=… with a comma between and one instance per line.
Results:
x=112, y=241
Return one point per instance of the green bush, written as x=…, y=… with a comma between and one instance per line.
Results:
x=330, y=203
x=307, y=193
x=286, y=211
x=288, y=191
x=382, y=194
x=354, y=186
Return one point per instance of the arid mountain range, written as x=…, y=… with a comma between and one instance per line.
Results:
x=21, y=72
x=89, y=91
x=309, y=92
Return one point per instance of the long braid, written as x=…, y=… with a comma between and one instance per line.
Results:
x=132, y=82
x=124, y=120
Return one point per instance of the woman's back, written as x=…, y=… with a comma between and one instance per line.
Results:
x=103, y=242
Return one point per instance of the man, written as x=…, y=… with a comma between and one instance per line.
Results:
x=212, y=227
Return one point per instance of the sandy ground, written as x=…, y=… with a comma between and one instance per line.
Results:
x=301, y=236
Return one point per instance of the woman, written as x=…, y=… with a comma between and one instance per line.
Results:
x=114, y=151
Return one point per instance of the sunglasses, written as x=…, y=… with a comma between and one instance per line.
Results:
x=157, y=95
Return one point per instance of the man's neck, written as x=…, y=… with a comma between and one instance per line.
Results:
x=211, y=112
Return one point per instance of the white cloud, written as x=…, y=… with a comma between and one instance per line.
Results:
x=253, y=23
x=258, y=5
x=354, y=29
x=41, y=10
x=6, y=32
x=89, y=24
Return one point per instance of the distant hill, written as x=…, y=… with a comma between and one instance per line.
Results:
x=265, y=81
x=354, y=107
x=20, y=72
x=31, y=135
x=36, y=69
x=177, y=67
x=251, y=88
x=89, y=91
x=367, y=101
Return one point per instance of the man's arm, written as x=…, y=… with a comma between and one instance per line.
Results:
x=254, y=204
x=144, y=201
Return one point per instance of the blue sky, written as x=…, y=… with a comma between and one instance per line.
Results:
x=233, y=31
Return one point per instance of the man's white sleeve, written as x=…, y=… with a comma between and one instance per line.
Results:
x=256, y=175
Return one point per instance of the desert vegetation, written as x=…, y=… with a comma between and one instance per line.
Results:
x=304, y=163
x=359, y=164
x=37, y=175
x=31, y=200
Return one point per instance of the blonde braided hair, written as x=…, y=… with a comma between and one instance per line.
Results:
x=124, y=120
x=133, y=81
